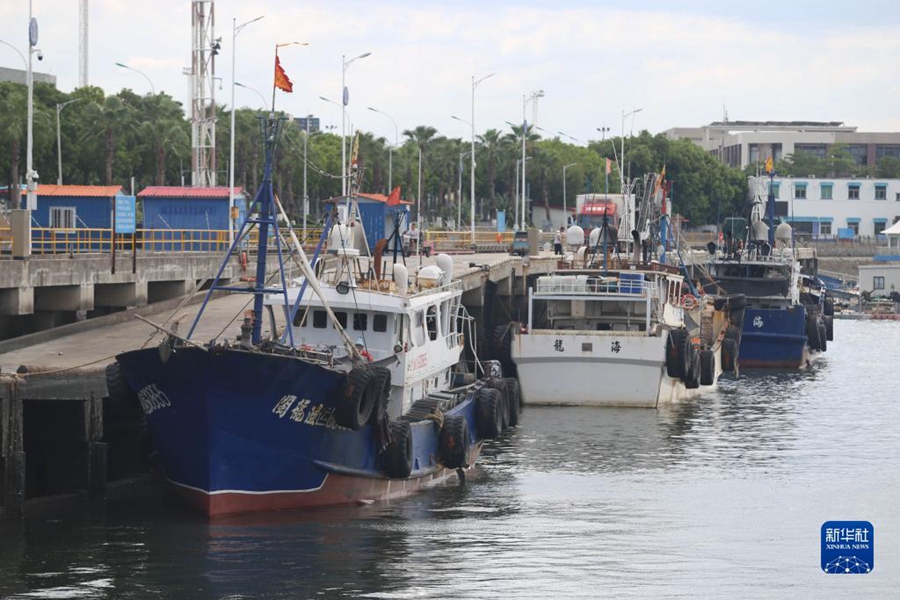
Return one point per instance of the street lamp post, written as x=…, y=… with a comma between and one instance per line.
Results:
x=59, y=107
x=144, y=75
x=459, y=192
x=532, y=97
x=235, y=30
x=345, y=99
x=566, y=212
x=574, y=139
x=628, y=209
x=475, y=83
x=254, y=90
x=603, y=131
x=390, y=148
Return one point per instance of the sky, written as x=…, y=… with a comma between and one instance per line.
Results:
x=682, y=63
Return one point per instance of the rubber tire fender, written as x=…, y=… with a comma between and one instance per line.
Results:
x=454, y=442
x=356, y=404
x=829, y=307
x=823, y=336
x=812, y=332
x=678, y=355
x=692, y=381
x=397, y=458
x=707, y=367
x=488, y=413
x=729, y=355
x=499, y=384
x=829, y=328
x=379, y=387
x=515, y=400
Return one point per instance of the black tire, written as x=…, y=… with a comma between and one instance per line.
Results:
x=729, y=355
x=397, y=458
x=454, y=442
x=707, y=367
x=737, y=302
x=829, y=328
x=733, y=332
x=812, y=332
x=823, y=336
x=719, y=302
x=515, y=400
x=692, y=381
x=356, y=404
x=488, y=413
x=829, y=307
x=379, y=388
x=123, y=402
x=500, y=385
x=678, y=353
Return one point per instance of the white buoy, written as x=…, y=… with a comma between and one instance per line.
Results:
x=446, y=265
x=575, y=236
x=760, y=231
x=401, y=278
x=341, y=238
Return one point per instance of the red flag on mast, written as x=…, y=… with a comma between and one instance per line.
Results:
x=282, y=81
x=394, y=198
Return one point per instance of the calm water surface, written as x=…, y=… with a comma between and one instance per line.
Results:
x=720, y=497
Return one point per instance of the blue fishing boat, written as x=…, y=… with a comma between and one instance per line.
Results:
x=784, y=319
x=306, y=415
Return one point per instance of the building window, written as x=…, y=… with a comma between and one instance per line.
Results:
x=853, y=225
x=824, y=228
x=800, y=192
x=881, y=193
x=775, y=187
x=817, y=150
x=880, y=226
x=886, y=150
x=360, y=321
x=878, y=282
x=827, y=192
x=320, y=319
x=62, y=217
x=380, y=323
x=859, y=152
x=853, y=192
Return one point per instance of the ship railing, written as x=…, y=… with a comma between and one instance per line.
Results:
x=610, y=286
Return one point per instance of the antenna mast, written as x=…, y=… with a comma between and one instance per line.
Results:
x=204, y=48
x=82, y=43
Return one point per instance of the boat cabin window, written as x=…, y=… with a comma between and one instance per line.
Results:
x=418, y=328
x=379, y=323
x=320, y=319
x=341, y=317
x=431, y=322
x=301, y=318
x=360, y=321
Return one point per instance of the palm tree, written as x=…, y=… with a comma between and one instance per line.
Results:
x=492, y=143
x=109, y=118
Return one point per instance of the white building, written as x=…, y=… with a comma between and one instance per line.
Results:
x=837, y=208
x=742, y=143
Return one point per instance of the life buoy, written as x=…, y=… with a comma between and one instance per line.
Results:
x=688, y=302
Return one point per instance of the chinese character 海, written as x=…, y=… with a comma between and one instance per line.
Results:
x=616, y=347
x=558, y=346
x=284, y=405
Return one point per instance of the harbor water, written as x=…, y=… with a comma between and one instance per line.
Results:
x=718, y=497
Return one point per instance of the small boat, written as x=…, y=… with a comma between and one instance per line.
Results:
x=309, y=416
x=635, y=334
x=788, y=312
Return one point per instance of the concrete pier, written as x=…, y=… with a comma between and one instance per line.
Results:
x=58, y=431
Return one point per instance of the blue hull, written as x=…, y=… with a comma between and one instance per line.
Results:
x=773, y=338
x=241, y=431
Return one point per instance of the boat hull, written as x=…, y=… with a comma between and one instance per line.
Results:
x=774, y=338
x=241, y=431
x=585, y=368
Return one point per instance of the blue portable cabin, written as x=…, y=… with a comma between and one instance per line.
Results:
x=188, y=219
x=73, y=218
x=376, y=215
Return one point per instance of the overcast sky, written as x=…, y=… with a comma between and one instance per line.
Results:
x=681, y=62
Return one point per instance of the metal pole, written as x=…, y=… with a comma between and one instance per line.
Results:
x=419, y=217
x=472, y=172
x=459, y=196
x=343, y=126
x=516, y=222
x=524, y=134
x=565, y=212
x=29, y=79
x=305, y=161
x=231, y=149
x=58, y=148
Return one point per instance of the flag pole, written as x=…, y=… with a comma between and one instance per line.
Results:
x=274, y=79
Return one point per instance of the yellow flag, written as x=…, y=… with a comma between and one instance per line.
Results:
x=769, y=165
